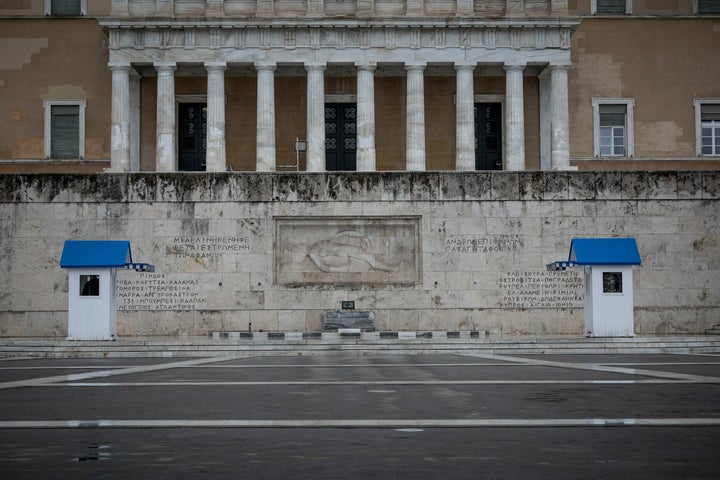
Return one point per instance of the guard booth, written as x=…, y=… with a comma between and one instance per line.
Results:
x=608, y=266
x=93, y=266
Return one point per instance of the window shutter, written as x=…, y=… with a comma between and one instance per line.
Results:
x=64, y=132
x=708, y=7
x=612, y=115
x=709, y=112
x=65, y=8
x=611, y=7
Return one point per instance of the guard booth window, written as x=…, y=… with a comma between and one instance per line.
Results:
x=89, y=285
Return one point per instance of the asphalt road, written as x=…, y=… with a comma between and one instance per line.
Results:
x=364, y=417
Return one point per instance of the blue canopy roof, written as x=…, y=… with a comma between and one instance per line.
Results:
x=96, y=254
x=604, y=251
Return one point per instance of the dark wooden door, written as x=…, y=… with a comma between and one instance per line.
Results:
x=488, y=136
x=192, y=138
x=340, y=136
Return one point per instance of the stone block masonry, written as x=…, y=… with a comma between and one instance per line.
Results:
x=424, y=251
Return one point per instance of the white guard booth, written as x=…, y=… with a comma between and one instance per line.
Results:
x=92, y=268
x=608, y=266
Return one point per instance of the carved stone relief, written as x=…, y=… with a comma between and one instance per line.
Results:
x=347, y=251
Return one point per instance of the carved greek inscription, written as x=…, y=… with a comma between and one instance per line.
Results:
x=482, y=244
x=207, y=247
x=541, y=289
x=159, y=291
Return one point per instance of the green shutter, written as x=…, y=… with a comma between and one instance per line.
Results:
x=710, y=111
x=611, y=7
x=65, y=131
x=708, y=7
x=612, y=115
x=65, y=8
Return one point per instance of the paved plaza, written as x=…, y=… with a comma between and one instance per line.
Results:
x=353, y=416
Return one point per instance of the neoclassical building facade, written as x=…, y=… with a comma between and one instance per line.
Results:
x=389, y=85
x=316, y=43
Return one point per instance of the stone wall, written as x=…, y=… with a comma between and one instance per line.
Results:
x=424, y=251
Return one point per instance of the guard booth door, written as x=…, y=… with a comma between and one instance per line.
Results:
x=192, y=137
x=341, y=136
x=488, y=136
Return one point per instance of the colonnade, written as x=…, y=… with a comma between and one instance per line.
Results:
x=166, y=140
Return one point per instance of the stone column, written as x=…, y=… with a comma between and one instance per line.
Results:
x=120, y=118
x=134, y=121
x=265, y=117
x=415, y=136
x=315, y=117
x=559, y=124
x=465, y=118
x=366, y=118
x=165, y=156
x=215, y=157
x=515, y=117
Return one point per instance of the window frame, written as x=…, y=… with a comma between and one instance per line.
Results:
x=628, y=8
x=699, y=102
x=696, y=9
x=47, y=144
x=83, y=9
x=629, y=130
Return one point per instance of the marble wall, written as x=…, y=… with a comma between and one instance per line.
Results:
x=424, y=251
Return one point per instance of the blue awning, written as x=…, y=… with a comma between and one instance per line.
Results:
x=599, y=251
x=100, y=254
x=604, y=251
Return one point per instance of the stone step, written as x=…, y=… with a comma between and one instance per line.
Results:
x=713, y=331
x=329, y=343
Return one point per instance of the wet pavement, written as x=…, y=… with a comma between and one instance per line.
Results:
x=373, y=416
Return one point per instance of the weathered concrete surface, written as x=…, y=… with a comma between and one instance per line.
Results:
x=484, y=241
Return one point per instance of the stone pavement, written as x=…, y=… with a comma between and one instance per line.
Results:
x=363, y=416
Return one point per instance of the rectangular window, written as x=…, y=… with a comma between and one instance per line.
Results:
x=610, y=7
x=64, y=129
x=612, y=282
x=65, y=8
x=89, y=285
x=708, y=7
x=613, y=121
x=613, y=127
x=707, y=118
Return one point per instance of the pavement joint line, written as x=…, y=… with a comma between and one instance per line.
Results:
x=599, y=367
x=364, y=423
x=44, y=381
x=376, y=382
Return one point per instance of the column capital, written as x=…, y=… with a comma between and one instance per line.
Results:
x=165, y=66
x=119, y=66
x=210, y=66
x=415, y=66
x=265, y=66
x=367, y=66
x=315, y=67
x=465, y=66
x=559, y=66
x=514, y=66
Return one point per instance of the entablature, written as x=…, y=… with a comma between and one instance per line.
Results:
x=385, y=35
